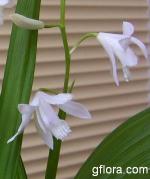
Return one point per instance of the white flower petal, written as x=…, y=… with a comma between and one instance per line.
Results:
x=76, y=109
x=45, y=134
x=110, y=53
x=131, y=58
x=113, y=40
x=48, y=115
x=110, y=36
x=55, y=99
x=39, y=122
x=26, y=109
x=48, y=139
x=35, y=101
x=119, y=52
x=58, y=128
x=26, y=112
x=140, y=45
x=128, y=28
x=59, y=99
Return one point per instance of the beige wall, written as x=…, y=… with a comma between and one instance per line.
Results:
x=95, y=88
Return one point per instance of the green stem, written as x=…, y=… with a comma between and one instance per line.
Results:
x=84, y=37
x=53, y=158
x=51, y=26
x=66, y=46
x=67, y=57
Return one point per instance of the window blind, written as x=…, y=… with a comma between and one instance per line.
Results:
x=95, y=88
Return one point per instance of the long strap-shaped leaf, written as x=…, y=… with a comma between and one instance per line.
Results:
x=21, y=173
x=17, y=85
x=127, y=146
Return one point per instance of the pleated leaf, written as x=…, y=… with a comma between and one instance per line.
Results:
x=17, y=86
x=127, y=146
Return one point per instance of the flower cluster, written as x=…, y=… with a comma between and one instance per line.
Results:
x=47, y=121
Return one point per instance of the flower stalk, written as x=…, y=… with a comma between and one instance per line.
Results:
x=53, y=158
x=84, y=37
x=51, y=26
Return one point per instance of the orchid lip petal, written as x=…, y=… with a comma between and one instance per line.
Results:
x=131, y=58
x=60, y=129
x=48, y=121
x=128, y=28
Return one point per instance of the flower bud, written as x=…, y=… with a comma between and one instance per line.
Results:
x=26, y=23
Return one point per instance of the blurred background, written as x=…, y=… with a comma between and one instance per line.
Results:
x=95, y=88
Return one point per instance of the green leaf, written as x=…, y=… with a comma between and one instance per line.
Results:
x=128, y=145
x=21, y=173
x=17, y=86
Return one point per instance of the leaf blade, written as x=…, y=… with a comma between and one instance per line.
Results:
x=17, y=86
x=128, y=145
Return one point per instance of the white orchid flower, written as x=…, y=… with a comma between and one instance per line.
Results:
x=5, y=4
x=117, y=46
x=47, y=121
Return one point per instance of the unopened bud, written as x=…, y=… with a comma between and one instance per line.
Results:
x=26, y=23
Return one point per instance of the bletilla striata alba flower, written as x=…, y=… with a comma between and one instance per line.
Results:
x=47, y=121
x=118, y=46
x=5, y=4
